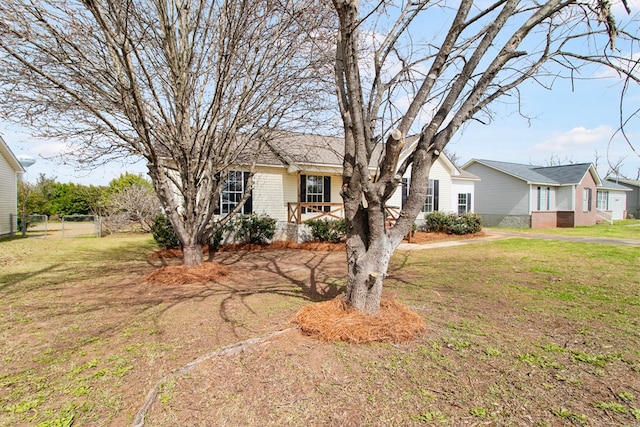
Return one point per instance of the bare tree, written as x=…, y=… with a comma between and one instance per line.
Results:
x=428, y=67
x=189, y=85
x=136, y=203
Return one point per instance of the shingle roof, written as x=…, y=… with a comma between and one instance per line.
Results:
x=292, y=149
x=304, y=150
x=565, y=174
x=610, y=184
x=554, y=175
x=630, y=182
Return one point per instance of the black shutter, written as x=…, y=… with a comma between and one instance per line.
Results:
x=248, y=205
x=405, y=191
x=216, y=211
x=468, y=202
x=327, y=192
x=303, y=192
x=590, y=199
x=436, y=195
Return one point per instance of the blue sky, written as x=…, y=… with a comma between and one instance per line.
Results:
x=566, y=124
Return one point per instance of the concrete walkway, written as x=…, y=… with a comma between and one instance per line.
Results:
x=494, y=234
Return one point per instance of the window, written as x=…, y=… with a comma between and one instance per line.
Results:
x=315, y=189
x=544, y=201
x=233, y=191
x=464, y=203
x=587, y=199
x=431, y=202
x=602, y=200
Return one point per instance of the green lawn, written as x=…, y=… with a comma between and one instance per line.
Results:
x=520, y=332
x=623, y=229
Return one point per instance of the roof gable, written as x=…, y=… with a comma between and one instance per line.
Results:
x=6, y=152
x=549, y=175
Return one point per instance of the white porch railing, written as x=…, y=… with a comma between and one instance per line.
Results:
x=605, y=215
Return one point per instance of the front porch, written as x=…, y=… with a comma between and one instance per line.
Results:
x=299, y=212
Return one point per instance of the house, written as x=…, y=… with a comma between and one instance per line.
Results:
x=299, y=177
x=10, y=171
x=633, y=195
x=519, y=195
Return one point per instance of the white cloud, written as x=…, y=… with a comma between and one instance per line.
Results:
x=50, y=149
x=574, y=141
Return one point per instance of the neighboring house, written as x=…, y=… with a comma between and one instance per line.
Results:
x=519, y=195
x=299, y=177
x=633, y=196
x=10, y=171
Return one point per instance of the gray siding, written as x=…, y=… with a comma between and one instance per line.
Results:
x=499, y=193
x=633, y=202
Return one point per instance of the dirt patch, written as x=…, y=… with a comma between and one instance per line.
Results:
x=334, y=321
x=416, y=237
x=235, y=247
x=285, y=244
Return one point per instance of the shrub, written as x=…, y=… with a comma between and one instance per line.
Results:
x=327, y=231
x=163, y=233
x=216, y=239
x=254, y=228
x=466, y=223
x=437, y=222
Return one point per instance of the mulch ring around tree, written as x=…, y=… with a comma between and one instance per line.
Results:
x=333, y=320
x=183, y=275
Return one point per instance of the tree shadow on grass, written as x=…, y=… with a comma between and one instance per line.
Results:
x=103, y=301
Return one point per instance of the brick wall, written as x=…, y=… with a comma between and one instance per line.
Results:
x=585, y=215
x=543, y=219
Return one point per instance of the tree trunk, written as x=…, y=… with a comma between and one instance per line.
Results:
x=367, y=269
x=192, y=255
x=370, y=246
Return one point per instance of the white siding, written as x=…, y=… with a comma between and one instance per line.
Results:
x=499, y=193
x=442, y=174
x=462, y=187
x=8, y=195
x=446, y=193
x=274, y=188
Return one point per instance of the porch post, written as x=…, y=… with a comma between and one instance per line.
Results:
x=299, y=218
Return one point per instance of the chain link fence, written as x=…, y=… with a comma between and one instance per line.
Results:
x=67, y=226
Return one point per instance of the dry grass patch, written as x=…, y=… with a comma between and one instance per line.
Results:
x=333, y=320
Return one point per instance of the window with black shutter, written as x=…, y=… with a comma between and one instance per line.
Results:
x=315, y=189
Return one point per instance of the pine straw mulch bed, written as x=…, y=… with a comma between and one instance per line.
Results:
x=182, y=275
x=333, y=320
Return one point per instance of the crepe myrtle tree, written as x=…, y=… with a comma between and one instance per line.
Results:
x=425, y=68
x=188, y=85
